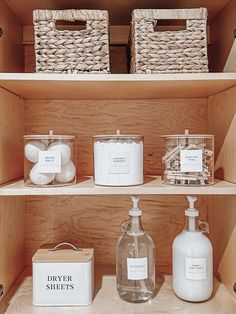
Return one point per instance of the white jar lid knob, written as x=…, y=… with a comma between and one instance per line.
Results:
x=117, y=132
x=51, y=132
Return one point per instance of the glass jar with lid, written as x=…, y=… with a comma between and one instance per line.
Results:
x=188, y=159
x=49, y=160
x=118, y=159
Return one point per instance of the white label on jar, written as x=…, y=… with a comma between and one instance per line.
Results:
x=191, y=160
x=195, y=268
x=137, y=268
x=49, y=161
x=119, y=162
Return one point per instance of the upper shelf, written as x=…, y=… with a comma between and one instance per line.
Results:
x=153, y=185
x=116, y=86
x=119, y=11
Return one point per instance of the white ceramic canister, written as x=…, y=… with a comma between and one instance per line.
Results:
x=118, y=160
x=50, y=160
x=63, y=275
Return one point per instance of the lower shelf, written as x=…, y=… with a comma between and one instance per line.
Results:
x=106, y=300
x=152, y=185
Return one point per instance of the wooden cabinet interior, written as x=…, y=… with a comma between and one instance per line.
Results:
x=27, y=222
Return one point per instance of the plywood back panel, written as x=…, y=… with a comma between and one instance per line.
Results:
x=12, y=217
x=11, y=49
x=222, y=123
x=230, y=65
x=222, y=219
x=11, y=140
x=12, y=222
x=222, y=213
x=94, y=221
x=222, y=38
x=85, y=118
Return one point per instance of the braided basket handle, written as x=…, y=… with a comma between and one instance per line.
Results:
x=170, y=14
x=70, y=15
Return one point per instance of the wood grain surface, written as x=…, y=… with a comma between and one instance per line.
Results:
x=221, y=36
x=222, y=219
x=151, y=118
x=11, y=139
x=12, y=232
x=94, y=221
x=230, y=65
x=11, y=49
x=153, y=185
x=106, y=299
x=222, y=123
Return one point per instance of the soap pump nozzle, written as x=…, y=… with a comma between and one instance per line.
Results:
x=191, y=200
x=191, y=210
x=191, y=213
x=135, y=211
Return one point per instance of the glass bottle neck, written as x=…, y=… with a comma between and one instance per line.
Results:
x=135, y=226
x=192, y=224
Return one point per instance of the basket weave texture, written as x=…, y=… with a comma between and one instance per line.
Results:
x=71, y=51
x=183, y=51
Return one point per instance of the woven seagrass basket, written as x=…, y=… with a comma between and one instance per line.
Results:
x=71, y=51
x=182, y=51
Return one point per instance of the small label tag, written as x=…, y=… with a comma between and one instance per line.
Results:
x=49, y=162
x=191, y=160
x=119, y=163
x=137, y=268
x=195, y=268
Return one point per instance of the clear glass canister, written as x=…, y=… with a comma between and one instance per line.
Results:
x=49, y=160
x=188, y=159
x=118, y=160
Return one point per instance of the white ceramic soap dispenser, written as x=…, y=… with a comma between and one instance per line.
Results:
x=192, y=260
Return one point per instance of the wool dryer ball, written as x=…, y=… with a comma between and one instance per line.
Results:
x=32, y=150
x=40, y=178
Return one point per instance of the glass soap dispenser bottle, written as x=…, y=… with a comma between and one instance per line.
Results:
x=192, y=260
x=135, y=259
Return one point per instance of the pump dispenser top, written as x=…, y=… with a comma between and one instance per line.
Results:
x=192, y=213
x=135, y=211
x=191, y=210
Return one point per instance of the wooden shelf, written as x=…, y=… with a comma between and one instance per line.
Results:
x=153, y=185
x=106, y=299
x=116, y=86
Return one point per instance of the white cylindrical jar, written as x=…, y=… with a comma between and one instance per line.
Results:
x=50, y=160
x=118, y=160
